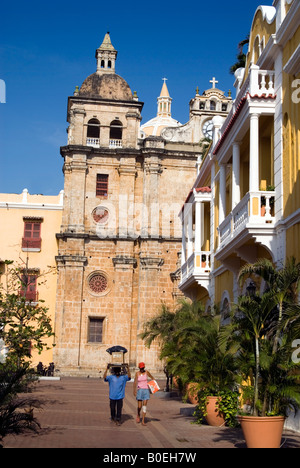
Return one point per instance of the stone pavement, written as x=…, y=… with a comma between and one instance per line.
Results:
x=76, y=414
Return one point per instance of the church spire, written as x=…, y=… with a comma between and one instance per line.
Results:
x=164, y=101
x=106, y=56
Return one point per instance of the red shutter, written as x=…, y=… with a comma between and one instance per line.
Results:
x=29, y=288
x=32, y=235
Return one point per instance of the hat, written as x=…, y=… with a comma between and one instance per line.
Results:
x=141, y=365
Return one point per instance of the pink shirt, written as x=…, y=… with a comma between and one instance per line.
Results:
x=142, y=380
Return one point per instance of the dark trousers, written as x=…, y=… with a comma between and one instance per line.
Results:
x=116, y=409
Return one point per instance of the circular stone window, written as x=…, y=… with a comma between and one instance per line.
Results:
x=98, y=283
x=100, y=215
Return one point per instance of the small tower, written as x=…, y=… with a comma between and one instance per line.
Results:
x=163, y=118
x=164, y=101
x=106, y=56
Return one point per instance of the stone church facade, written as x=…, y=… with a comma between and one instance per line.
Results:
x=120, y=240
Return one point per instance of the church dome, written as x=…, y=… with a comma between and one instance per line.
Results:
x=106, y=86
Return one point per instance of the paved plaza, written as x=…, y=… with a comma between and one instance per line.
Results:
x=75, y=414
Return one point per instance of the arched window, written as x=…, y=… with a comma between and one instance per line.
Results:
x=115, y=134
x=109, y=64
x=212, y=105
x=93, y=133
x=102, y=64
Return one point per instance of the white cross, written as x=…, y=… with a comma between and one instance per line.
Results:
x=214, y=81
x=164, y=79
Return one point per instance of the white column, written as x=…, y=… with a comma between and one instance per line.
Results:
x=190, y=232
x=254, y=153
x=183, y=248
x=198, y=226
x=222, y=194
x=25, y=195
x=236, y=190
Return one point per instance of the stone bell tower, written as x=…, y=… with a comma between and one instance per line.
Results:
x=115, y=258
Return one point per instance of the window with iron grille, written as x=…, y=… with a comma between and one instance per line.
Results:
x=102, y=185
x=95, y=333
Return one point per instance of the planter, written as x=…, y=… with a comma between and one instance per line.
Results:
x=175, y=382
x=192, y=393
x=262, y=432
x=213, y=416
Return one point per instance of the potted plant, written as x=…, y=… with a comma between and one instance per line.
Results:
x=260, y=328
x=217, y=376
x=189, y=340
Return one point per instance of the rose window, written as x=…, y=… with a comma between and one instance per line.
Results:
x=98, y=283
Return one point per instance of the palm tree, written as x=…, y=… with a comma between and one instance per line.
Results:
x=189, y=340
x=177, y=333
x=244, y=336
x=268, y=319
x=241, y=56
x=284, y=285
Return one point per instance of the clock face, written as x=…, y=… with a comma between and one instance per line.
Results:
x=207, y=129
x=100, y=215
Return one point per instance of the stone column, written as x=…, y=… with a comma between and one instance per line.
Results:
x=127, y=173
x=68, y=323
x=122, y=321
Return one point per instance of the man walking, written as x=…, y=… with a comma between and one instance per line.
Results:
x=117, y=384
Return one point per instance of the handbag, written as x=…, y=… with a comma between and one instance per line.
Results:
x=153, y=386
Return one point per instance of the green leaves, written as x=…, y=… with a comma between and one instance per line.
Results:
x=24, y=325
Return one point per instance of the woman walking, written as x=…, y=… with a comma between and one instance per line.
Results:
x=141, y=391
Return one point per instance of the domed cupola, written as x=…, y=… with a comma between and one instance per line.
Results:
x=105, y=83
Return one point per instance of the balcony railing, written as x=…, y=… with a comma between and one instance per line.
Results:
x=95, y=142
x=197, y=264
x=115, y=143
x=255, y=209
x=261, y=82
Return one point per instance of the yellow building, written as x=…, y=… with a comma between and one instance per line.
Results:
x=28, y=227
x=245, y=202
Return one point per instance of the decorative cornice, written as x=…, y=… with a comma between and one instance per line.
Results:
x=123, y=262
x=71, y=260
x=151, y=263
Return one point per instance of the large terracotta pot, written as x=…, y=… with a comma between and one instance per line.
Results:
x=262, y=432
x=175, y=382
x=192, y=393
x=213, y=417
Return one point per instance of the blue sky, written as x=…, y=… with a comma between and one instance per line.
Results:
x=47, y=48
